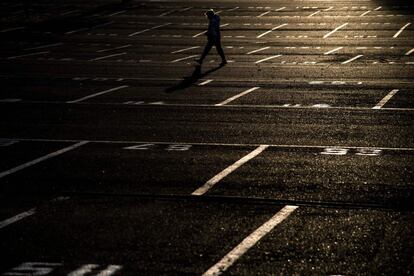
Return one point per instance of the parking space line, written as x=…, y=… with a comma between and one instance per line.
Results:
x=213, y=181
x=268, y=58
x=149, y=29
x=109, y=56
x=28, y=55
x=250, y=241
x=263, y=14
x=41, y=159
x=16, y=218
x=205, y=82
x=401, y=30
x=12, y=29
x=116, y=48
x=271, y=30
x=352, y=59
x=386, y=99
x=98, y=94
x=315, y=13
x=335, y=30
x=258, y=50
x=237, y=96
x=364, y=13
x=185, y=49
x=378, y=8
x=333, y=50
x=280, y=9
x=409, y=52
x=44, y=46
x=181, y=59
x=116, y=13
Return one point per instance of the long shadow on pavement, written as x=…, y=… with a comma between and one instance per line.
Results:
x=188, y=81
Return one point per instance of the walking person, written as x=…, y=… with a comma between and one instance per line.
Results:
x=213, y=37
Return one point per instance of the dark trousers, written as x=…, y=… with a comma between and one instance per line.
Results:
x=210, y=43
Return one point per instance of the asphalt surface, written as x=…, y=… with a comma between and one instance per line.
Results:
x=120, y=156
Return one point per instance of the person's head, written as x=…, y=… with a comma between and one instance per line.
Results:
x=210, y=14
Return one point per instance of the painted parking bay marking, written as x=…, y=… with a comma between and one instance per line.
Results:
x=385, y=99
x=250, y=241
x=237, y=96
x=98, y=94
x=214, y=180
x=334, y=30
x=149, y=29
x=46, y=268
x=41, y=159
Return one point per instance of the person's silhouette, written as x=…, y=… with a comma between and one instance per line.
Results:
x=213, y=37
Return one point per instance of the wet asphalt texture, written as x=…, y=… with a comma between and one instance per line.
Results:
x=109, y=129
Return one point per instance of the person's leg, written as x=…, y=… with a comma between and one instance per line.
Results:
x=220, y=51
x=207, y=49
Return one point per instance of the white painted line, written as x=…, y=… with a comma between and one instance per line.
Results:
x=44, y=46
x=280, y=9
x=110, y=270
x=365, y=13
x=328, y=9
x=116, y=13
x=180, y=59
x=149, y=29
x=333, y=50
x=12, y=29
x=83, y=270
x=167, y=13
x=233, y=9
x=249, y=241
x=352, y=59
x=409, y=52
x=237, y=96
x=213, y=181
x=274, y=28
x=98, y=94
x=258, y=50
x=186, y=49
x=314, y=13
x=76, y=31
x=205, y=82
x=105, y=57
x=378, y=8
x=28, y=55
x=40, y=159
x=385, y=99
x=116, y=48
x=263, y=14
x=16, y=218
x=334, y=30
x=401, y=30
x=268, y=58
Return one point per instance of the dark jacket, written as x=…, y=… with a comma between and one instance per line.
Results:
x=213, y=31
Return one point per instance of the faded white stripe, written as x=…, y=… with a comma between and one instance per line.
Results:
x=268, y=58
x=213, y=181
x=105, y=57
x=258, y=50
x=146, y=30
x=333, y=50
x=40, y=159
x=386, y=99
x=237, y=96
x=250, y=241
x=186, y=49
x=274, y=28
x=180, y=59
x=98, y=94
x=16, y=218
x=401, y=30
x=352, y=59
x=334, y=30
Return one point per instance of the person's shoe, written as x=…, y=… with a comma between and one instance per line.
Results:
x=223, y=62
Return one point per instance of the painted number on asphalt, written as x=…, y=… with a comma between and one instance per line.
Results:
x=42, y=268
x=168, y=148
x=345, y=151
